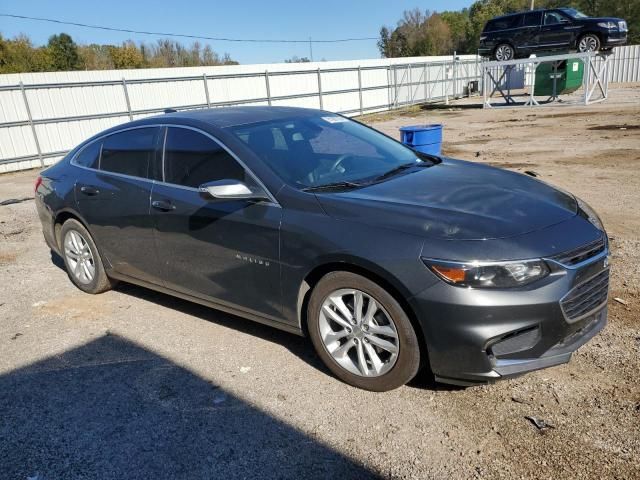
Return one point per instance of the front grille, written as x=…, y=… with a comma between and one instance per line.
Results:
x=586, y=297
x=581, y=253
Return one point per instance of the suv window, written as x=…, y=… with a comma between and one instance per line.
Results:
x=129, y=152
x=554, y=18
x=503, y=23
x=89, y=156
x=191, y=159
x=532, y=19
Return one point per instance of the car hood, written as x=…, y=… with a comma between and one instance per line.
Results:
x=600, y=19
x=454, y=200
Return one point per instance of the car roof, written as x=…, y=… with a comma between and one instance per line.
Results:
x=232, y=116
x=525, y=11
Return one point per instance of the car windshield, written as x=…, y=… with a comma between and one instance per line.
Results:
x=573, y=13
x=326, y=149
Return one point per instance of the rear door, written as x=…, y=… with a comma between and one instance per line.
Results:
x=113, y=191
x=226, y=251
x=530, y=30
x=556, y=31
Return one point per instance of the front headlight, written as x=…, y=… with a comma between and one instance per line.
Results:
x=609, y=25
x=589, y=214
x=489, y=275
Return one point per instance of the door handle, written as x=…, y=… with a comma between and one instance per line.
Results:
x=163, y=205
x=91, y=191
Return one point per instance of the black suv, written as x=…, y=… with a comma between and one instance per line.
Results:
x=521, y=34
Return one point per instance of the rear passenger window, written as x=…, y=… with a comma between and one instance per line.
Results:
x=503, y=23
x=191, y=159
x=531, y=19
x=129, y=152
x=89, y=156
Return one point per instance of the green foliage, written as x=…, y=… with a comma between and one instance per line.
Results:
x=418, y=33
x=62, y=54
x=296, y=59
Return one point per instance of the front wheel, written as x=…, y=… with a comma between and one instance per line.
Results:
x=589, y=43
x=361, y=333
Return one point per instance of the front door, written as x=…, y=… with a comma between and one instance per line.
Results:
x=112, y=193
x=223, y=251
x=556, y=31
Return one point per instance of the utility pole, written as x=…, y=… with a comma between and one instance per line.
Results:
x=311, y=49
x=532, y=4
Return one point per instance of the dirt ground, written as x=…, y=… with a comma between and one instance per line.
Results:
x=136, y=384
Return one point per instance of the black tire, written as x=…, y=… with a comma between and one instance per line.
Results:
x=100, y=281
x=504, y=52
x=590, y=42
x=407, y=362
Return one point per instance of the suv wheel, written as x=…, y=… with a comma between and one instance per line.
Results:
x=82, y=259
x=589, y=43
x=504, y=52
x=361, y=333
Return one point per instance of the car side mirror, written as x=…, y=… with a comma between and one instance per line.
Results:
x=229, y=190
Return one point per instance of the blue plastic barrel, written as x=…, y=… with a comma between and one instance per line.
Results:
x=424, y=138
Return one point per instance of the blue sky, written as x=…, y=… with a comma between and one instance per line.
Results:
x=273, y=19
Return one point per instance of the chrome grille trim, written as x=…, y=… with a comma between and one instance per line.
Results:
x=586, y=298
x=580, y=254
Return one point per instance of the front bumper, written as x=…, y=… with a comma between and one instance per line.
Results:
x=614, y=39
x=479, y=335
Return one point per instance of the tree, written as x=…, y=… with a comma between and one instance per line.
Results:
x=19, y=55
x=126, y=56
x=418, y=33
x=96, y=57
x=297, y=59
x=63, y=53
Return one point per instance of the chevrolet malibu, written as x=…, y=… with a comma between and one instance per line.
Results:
x=388, y=259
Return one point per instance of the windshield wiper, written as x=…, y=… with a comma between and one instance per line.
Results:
x=332, y=186
x=400, y=168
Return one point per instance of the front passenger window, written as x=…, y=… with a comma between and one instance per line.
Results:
x=192, y=159
x=552, y=18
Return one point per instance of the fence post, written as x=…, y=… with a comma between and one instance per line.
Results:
x=206, y=89
x=320, y=89
x=395, y=87
x=33, y=127
x=360, y=87
x=424, y=78
x=266, y=80
x=455, y=75
x=126, y=97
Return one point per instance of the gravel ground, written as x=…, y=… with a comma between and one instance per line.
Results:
x=136, y=384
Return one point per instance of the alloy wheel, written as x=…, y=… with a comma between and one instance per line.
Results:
x=79, y=257
x=588, y=43
x=504, y=52
x=358, y=333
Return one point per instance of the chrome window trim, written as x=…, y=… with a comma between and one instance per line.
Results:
x=224, y=147
x=162, y=182
x=106, y=172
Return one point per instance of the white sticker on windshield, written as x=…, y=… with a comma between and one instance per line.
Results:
x=335, y=119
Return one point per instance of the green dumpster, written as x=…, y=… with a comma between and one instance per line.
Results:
x=556, y=78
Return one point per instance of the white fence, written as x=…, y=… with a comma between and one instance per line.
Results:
x=43, y=115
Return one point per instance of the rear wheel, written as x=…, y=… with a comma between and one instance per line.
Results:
x=361, y=332
x=81, y=257
x=504, y=52
x=589, y=43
